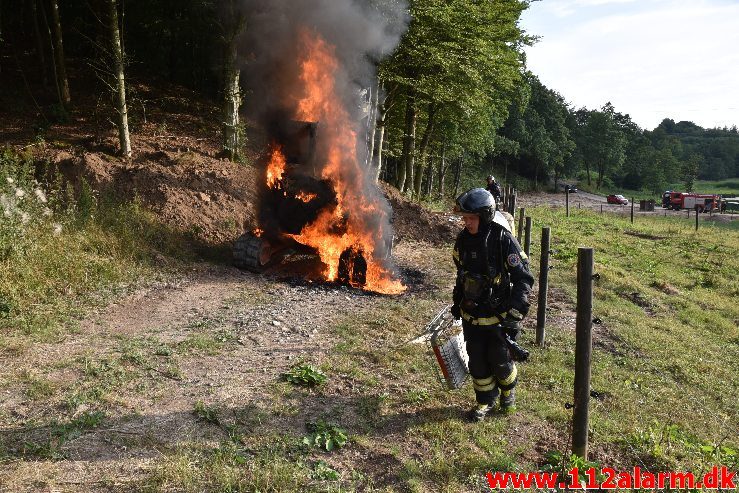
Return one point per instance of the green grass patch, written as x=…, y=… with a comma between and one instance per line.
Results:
x=667, y=297
x=57, y=434
x=278, y=465
x=59, y=252
x=205, y=413
x=728, y=187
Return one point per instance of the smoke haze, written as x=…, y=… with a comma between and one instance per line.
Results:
x=362, y=32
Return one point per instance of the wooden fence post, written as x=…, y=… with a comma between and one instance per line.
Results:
x=696, y=218
x=632, y=210
x=541, y=309
x=521, y=217
x=527, y=237
x=567, y=201
x=583, y=351
x=513, y=202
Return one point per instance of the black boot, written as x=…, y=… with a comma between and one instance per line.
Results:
x=480, y=412
x=508, y=401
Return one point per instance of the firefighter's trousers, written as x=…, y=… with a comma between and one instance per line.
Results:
x=491, y=367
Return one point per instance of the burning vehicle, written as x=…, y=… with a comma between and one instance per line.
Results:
x=292, y=199
x=317, y=194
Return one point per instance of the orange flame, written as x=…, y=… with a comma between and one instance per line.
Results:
x=276, y=167
x=306, y=197
x=320, y=101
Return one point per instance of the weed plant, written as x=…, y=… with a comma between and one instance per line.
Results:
x=325, y=436
x=305, y=376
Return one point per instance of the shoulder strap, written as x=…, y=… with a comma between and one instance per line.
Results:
x=498, y=231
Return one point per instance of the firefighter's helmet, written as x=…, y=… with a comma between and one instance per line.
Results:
x=477, y=201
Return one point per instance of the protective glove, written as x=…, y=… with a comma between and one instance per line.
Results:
x=456, y=312
x=510, y=328
x=510, y=323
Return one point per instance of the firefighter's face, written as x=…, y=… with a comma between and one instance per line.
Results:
x=471, y=222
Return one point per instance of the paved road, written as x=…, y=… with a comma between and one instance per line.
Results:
x=583, y=196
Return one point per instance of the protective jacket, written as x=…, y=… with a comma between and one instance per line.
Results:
x=495, y=190
x=493, y=275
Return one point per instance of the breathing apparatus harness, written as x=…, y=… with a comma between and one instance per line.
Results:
x=478, y=289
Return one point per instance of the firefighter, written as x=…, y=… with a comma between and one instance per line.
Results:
x=491, y=297
x=494, y=188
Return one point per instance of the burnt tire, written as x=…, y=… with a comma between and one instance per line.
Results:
x=251, y=253
x=352, y=268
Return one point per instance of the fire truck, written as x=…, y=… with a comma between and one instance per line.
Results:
x=699, y=201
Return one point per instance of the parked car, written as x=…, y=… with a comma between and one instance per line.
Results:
x=617, y=199
x=570, y=188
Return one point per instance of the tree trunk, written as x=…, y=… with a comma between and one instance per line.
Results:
x=377, y=157
x=422, y=149
x=383, y=107
x=430, y=177
x=372, y=123
x=231, y=104
x=587, y=169
x=61, y=65
x=382, y=169
x=392, y=170
x=115, y=37
x=39, y=44
x=457, y=176
x=231, y=91
x=52, y=49
x=442, y=169
x=405, y=176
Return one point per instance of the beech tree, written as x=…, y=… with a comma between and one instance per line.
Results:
x=386, y=98
x=459, y=60
x=39, y=42
x=118, y=66
x=233, y=26
x=60, y=63
x=538, y=125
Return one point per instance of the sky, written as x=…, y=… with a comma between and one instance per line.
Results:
x=652, y=59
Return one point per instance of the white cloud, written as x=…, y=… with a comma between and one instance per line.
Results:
x=652, y=59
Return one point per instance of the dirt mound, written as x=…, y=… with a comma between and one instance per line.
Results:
x=175, y=172
x=211, y=198
x=412, y=221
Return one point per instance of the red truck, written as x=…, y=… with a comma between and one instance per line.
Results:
x=700, y=201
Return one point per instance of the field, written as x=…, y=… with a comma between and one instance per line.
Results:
x=178, y=385
x=727, y=188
